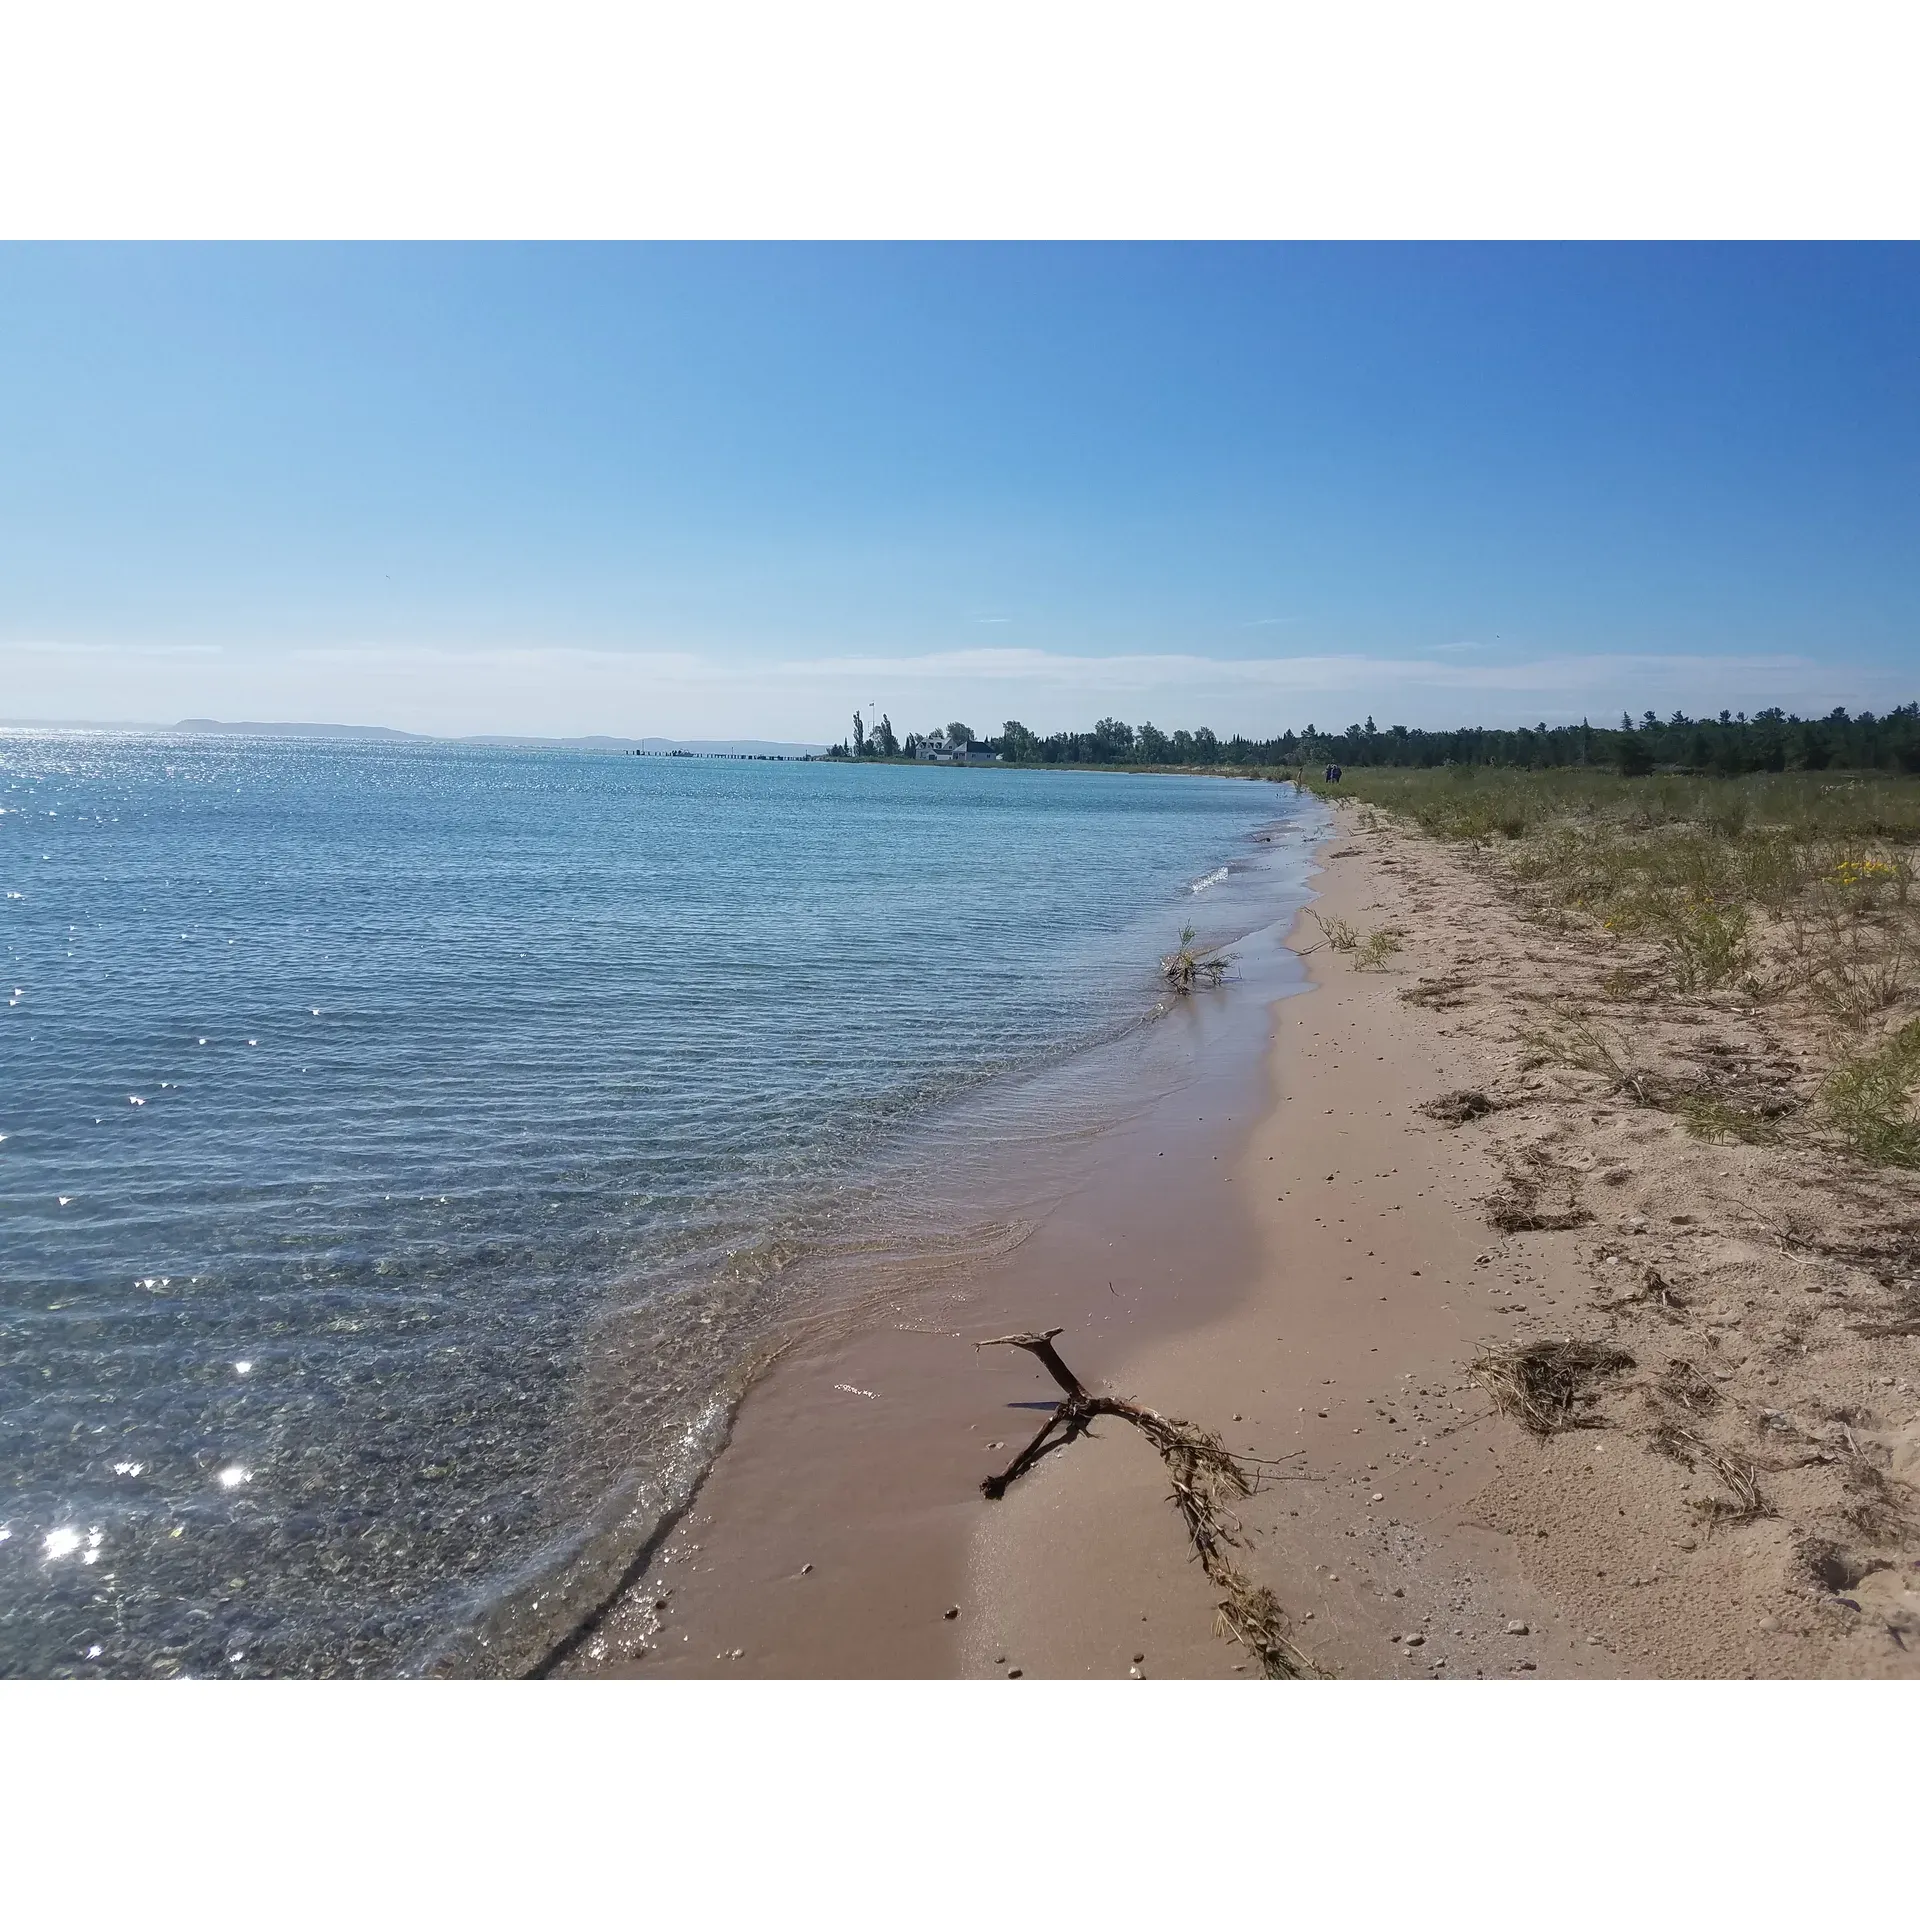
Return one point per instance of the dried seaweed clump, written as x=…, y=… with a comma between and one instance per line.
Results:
x=1520, y=1208
x=1548, y=1385
x=1746, y=1498
x=1457, y=1108
x=1205, y=1477
x=1686, y=1386
x=1442, y=993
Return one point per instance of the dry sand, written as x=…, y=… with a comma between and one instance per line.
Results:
x=1312, y=1278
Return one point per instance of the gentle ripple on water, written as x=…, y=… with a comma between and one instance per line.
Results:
x=400, y=1146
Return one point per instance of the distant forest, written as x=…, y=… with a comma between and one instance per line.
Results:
x=1732, y=743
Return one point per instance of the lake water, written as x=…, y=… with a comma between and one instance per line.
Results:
x=405, y=1147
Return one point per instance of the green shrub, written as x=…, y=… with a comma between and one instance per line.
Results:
x=1373, y=953
x=1870, y=1100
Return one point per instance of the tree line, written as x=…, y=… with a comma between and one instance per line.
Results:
x=1771, y=741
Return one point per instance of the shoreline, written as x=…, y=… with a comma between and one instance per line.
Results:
x=1311, y=1280
x=1366, y=1239
x=859, y=1452
x=1431, y=1535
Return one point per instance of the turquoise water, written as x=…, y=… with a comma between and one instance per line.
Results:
x=404, y=1146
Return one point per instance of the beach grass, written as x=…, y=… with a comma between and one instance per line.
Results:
x=1513, y=803
x=1791, y=892
x=1870, y=1099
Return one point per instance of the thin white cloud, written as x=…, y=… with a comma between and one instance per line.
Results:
x=139, y=650
x=1318, y=673
x=688, y=693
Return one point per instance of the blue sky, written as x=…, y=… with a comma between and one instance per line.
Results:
x=724, y=490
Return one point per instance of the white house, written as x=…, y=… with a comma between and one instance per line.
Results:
x=973, y=755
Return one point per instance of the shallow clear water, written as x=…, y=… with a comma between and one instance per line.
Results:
x=404, y=1144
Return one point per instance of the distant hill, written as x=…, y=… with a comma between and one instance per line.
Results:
x=289, y=730
x=317, y=730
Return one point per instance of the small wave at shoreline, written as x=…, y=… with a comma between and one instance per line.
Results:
x=927, y=1208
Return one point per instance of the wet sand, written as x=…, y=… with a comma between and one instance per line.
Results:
x=1287, y=1250
x=859, y=1456
x=1429, y=1535
x=1310, y=1252
x=1365, y=1235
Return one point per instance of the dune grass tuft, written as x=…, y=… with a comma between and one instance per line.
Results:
x=1870, y=1100
x=1372, y=954
x=1339, y=934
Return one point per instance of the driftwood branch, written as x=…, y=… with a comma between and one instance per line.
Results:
x=1192, y=966
x=1040, y=1345
x=1205, y=1476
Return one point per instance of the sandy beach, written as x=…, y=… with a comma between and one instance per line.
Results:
x=1292, y=1252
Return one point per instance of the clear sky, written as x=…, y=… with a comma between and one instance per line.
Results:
x=734, y=490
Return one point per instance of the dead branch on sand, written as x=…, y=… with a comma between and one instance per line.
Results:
x=1205, y=1476
x=1190, y=968
x=1547, y=1385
